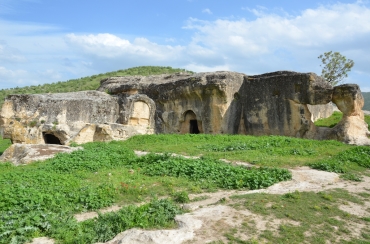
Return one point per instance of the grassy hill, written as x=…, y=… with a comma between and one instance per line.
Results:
x=367, y=100
x=87, y=83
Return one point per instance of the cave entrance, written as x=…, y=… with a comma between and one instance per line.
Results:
x=51, y=139
x=194, y=127
x=190, y=124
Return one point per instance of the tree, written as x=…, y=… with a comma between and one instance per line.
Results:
x=335, y=67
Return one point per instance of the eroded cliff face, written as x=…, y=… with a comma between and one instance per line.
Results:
x=276, y=103
x=200, y=103
x=215, y=102
x=62, y=118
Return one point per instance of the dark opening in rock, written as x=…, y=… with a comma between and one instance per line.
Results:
x=194, y=127
x=51, y=139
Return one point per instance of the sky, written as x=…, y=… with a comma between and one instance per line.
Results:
x=45, y=41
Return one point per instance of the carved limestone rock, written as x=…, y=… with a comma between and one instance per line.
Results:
x=278, y=103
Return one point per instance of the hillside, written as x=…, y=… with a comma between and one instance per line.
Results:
x=367, y=100
x=87, y=83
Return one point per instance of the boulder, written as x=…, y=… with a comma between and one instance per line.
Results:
x=20, y=154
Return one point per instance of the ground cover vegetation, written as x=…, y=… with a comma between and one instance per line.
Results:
x=335, y=118
x=366, y=96
x=87, y=83
x=40, y=199
x=301, y=217
x=269, y=151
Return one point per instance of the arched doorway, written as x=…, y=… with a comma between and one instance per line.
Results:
x=51, y=139
x=140, y=114
x=191, y=124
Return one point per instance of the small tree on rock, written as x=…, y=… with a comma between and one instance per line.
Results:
x=335, y=67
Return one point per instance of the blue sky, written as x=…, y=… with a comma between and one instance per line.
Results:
x=44, y=41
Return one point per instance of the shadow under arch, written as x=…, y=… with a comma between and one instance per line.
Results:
x=191, y=124
x=51, y=139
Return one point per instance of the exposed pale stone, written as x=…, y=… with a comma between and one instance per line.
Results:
x=277, y=103
x=352, y=128
x=78, y=116
x=19, y=154
x=320, y=111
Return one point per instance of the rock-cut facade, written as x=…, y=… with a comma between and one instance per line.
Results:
x=279, y=103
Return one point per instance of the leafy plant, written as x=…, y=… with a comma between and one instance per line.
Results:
x=339, y=163
x=181, y=197
x=32, y=123
x=210, y=173
x=351, y=176
x=157, y=213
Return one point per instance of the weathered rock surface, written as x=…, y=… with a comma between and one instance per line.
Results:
x=204, y=101
x=352, y=129
x=20, y=154
x=320, y=111
x=276, y=103
x=61, y=118
x=279, y=103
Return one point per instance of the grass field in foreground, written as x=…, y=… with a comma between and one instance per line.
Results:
x=40, y=199
x=275, y=151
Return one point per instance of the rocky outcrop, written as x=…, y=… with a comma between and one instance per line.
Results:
x=276, y=103
x=65, y=117
x=20, y=154
x=279, y=103
x=185, y=103
x=352, y=129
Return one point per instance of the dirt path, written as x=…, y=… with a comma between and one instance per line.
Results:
x=207, y=220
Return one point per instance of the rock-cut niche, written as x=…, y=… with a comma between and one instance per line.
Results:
x=51, y=139
x=140, y=114
x=190, y=124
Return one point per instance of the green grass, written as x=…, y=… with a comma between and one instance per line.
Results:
x=334, y=119
x=367, y=100
x=272, y=151
x=86, y=83
x=344, y=162
x=307, y=217
x=4, y=144
x=330, y=121
x=39, y=199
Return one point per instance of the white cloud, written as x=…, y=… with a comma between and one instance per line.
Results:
x=111, y=46
x=204, y=68
x=269, y=42
x=207, y=11
x=10, y=54
x=12, y=78
x=273, y=42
